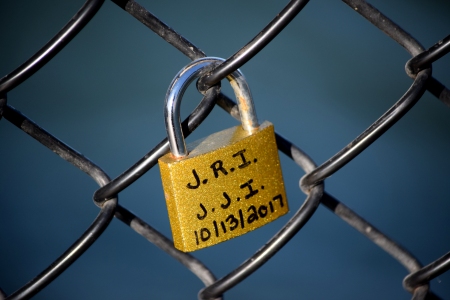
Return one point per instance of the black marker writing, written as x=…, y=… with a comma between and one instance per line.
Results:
x=218, y=166
x=190, y=186
x=204, y=212
x=219, y=229
x=251, y=192
x=228, y=201
x=245, y=163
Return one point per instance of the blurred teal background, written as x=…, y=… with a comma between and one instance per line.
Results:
x=322, y=81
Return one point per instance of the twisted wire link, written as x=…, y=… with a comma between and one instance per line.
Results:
x=346, y=214
x=252, y=48
x=389, y=118
x=371, y=134
x=193, y=52
x=424, y=60
x=427, y=273
x=282, y=237
x=150, y=159
x=403, y=38
x=106, y=197
x=107, y=207
x=97, y=227
x=420, y=63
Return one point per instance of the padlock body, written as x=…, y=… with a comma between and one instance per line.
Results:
x=229, y=184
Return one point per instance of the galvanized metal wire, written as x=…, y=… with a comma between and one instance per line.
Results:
x=312, y=183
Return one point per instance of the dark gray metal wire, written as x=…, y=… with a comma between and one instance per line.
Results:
x=107, y=207
x=150, y=159
x=426, y=58
x=386, y=25
x=394, y=114
x=346, y=214
x=405, y=40
x=159, y=240
x=418, y=68
x=268, y=250
x=252, y=48
x=283, y=236
x=160, y=28
x=371, y=134
x=67, y=258
x=56, y=44
x=421, y=62
x=97, y=227
x=377, y=237
x=395, y=250
x=427, y=273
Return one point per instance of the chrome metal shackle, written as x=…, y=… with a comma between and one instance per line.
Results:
x=176, y=91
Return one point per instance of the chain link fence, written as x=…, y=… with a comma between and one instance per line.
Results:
x=308, y=253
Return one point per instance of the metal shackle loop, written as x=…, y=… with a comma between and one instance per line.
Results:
x=179, y=85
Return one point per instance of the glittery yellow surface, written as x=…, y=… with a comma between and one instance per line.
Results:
x=229, y=184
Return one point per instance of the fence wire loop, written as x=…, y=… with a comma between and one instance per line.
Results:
x=426, y=58
x=312, y=183
x=255, y=45
x=151, y=158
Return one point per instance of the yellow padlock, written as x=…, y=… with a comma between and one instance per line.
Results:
x=227, y=184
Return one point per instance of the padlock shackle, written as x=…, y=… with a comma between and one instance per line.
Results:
x=179, y=85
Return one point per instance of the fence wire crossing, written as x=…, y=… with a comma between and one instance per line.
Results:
x=106, y=197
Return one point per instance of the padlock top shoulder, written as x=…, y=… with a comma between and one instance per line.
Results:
x=222, y=139
x=217, y=140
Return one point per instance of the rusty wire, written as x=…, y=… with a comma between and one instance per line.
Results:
x=106, y=197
